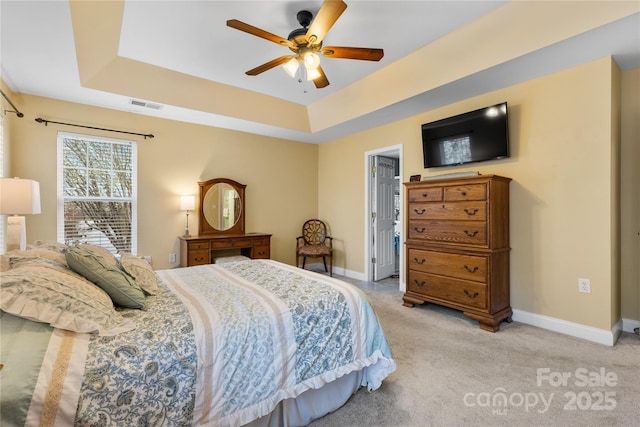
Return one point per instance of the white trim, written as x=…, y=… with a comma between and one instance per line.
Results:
x=589, y=333
x=318, y=266
x=367, y=209
x=628, y=325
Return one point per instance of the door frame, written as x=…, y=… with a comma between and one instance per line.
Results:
x=390, y=151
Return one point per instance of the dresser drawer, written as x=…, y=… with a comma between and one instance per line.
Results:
x=193, y=246
x=425, y=194
x=261, y=241
x=231, y=243
x=465, y=192
x=260, y=252
x=464, y=232
x=198, y=257
x=466, y=267
x=474, y=211
x=451, y=290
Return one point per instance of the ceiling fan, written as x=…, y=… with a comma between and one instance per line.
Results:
x=306, y=43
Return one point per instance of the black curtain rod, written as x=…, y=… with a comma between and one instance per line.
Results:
x=15, y=110
x=46, y=122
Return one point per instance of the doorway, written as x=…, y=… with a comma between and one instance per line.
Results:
x=384, y=234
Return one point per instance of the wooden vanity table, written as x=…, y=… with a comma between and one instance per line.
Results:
x=221, y=226
x=198, y=250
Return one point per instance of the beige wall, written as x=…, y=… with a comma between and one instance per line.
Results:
x=281, y=176
x=563, y=223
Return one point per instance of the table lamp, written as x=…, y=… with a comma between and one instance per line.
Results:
x=187, y=203
x=18, y=197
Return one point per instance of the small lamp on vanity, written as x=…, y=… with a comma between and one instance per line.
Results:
x=187, y=203
x=18, y=197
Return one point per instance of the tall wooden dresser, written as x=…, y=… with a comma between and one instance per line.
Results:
x=458, y=246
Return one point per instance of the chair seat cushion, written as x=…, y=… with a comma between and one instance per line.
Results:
x=314, y=250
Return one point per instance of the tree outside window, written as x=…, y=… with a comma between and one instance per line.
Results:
x=97, y=188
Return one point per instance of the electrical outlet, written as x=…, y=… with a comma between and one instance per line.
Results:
x=584, y=286
x=172, y=257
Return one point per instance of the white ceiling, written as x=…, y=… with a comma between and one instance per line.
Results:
x=38, y=53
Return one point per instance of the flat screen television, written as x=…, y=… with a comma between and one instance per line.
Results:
x=475, y=136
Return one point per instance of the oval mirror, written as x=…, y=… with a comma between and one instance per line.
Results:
x=221, y=207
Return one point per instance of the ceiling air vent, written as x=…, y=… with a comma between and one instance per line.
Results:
x=144, y=104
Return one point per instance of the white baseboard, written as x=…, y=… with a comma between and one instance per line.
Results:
x=600, y=336
x=628, y=325
x=319, y=266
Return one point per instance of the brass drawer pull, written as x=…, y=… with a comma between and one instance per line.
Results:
x=419, y=230
x=471, y=270
x=471, y=213
x=420, y=284
x=419, y=262
x=471, y=234
x=419, y=212
x=470, y=295
x=199, y=259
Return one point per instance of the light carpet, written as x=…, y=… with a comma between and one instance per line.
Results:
x=452, y=373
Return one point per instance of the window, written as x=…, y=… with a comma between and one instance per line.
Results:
x=97, y=180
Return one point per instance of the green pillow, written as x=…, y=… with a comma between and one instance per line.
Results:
x=141, y=272
x=122, y=289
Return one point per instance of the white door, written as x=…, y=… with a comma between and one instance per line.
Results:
x=382, y=217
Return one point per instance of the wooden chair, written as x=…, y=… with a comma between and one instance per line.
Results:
x=314, y=243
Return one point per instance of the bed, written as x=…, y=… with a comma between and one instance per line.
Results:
x=253, y=342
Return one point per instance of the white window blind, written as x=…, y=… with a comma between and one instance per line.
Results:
x=97, y=192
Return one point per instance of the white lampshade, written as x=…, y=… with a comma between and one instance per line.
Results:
x=19, y=196
x=311, y=61
x=187, y=203
x=291, y=66
x=312, y=73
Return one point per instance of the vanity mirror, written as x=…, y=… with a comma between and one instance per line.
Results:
x=221, y=207
x=221, y=231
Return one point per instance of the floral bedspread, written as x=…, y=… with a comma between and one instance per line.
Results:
x=223, y=345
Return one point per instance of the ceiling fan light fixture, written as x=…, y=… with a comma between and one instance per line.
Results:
x=312, y=73
x=306, y=43
x=311, y=60
x=291, y=66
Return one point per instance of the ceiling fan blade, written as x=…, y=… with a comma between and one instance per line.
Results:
x=363, y=53
x=269, y=65
x=321, y=81
x=239, y=25
x=328, y=14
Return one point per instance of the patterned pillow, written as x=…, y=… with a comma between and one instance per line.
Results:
x=61, y=298
x=141, y=271
x=121, y=287
x=36, y=255
x=52, y=245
